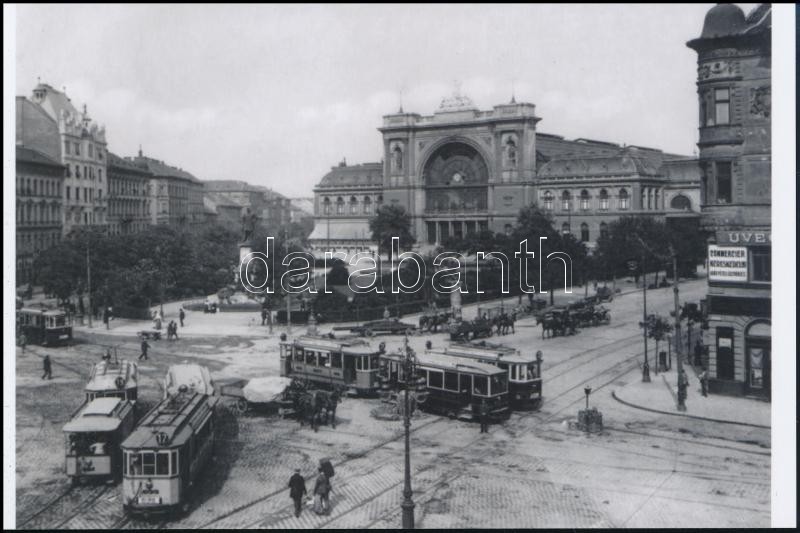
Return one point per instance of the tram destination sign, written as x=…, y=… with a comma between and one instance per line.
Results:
x=727, y=263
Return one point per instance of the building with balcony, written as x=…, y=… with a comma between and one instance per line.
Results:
x=234, y=199
x=40, y=182
x=129, y=197
x=734, y=87
x=50, y=123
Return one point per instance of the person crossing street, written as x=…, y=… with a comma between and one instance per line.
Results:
x=297, y=489
x=48, y=368
x=484, y=416
x=145, y=346
x=181, y=315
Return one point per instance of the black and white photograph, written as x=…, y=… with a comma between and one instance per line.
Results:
x=399, y=266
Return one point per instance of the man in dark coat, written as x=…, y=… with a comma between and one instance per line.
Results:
x=145, y=346
x=181, y=315
x=297, y=489
x=48, y=369
x=263, y=316
x=484, y=417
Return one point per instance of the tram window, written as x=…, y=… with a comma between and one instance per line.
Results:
x=451, y=381
x=162, y=464
x=373, y=362
x=480, y=385
x=311, y=357
x=435, y=379
x=499, y=385
x=298, y=355
x=174, y=463
x=148, y=463
x=336, y=360
x=360, y=364
x=531, y=372
x=135, y=463
x=464, y=382
x=324, y=359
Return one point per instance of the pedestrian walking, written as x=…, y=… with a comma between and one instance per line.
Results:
x=174, y=326
x=322, y=490
x=698, y=353
x=428, y=345
x=107, y=355
x=23, y=341
x=683, y=385
x=48, y=368
x=181, y=315
x=145, y=346
x=484, y=415
x=263, y=316
x=297, y=489
x=105, y=317
x=704, y=382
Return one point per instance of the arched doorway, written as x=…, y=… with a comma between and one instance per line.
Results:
x=758, y=358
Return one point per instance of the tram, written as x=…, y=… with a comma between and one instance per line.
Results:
x=349, y=363
x=93, y=438
x=44, y=326
x=196, y=378
x=167, y=452
x=524, y=372
x=455, y=386
x=113, y=379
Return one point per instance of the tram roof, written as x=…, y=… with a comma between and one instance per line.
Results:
x=176, y=416
x=350, y=346
x=196, y=377
x=503, y=354
x=105, y=373
x=99, y=415
x=450, y=362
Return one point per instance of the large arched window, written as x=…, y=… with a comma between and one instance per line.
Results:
x=353, y=205
x=603, y=230
x=680, y=202
x=584, y=200
x=340, y=206
x=548, y=200
x=585, y=232
x=379, y=202
x=565, y=198
x=624, y=199
x=565, y=228
x=367, y=205
x=603, y=200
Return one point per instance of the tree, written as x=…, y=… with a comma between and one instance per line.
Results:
x=657, y=329
x=533, y=223
x=391, y=221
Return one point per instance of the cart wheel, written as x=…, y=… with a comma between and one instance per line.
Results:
x=241, y=406
x=369, y=333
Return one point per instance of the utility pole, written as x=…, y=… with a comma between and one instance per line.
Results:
x=681, y=401
x=89, y=284
x=408, y=503
x=288, y=294
x=646, y=366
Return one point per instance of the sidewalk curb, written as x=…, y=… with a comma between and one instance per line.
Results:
x=623, y=402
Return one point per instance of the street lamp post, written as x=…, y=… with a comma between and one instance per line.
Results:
x=645, y=366
x=681, y=400
x=288, y=293
x=408, y=504
x=89, y=284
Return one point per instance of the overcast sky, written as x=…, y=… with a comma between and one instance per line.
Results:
x=276, y=95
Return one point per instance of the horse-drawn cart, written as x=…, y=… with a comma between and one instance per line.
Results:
x=257, y=394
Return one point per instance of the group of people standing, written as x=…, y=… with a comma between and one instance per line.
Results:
x=322, y=489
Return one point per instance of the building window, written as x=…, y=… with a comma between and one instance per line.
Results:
x=77, y=149
x=353, y=205
x=339, y=206
x=548, y=201
x=722, y=106
x=681, y=203
x=91, y=150
x=603, y=230
x=584, y=200
x=585, y=232
x=367, y=205
x=67, y=192
x=565, y=201
x=761, y=261
x=565, y=228
x=100, y=174
x=724, y=189
x=603, y=200
x=624, y=199
x=77, y=171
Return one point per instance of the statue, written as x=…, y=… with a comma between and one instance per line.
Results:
x=248, y=226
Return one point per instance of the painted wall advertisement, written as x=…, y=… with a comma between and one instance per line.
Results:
x=727, y=263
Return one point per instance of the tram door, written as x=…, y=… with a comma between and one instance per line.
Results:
x=349, y=369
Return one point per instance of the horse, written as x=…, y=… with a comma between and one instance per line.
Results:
x=508, y=322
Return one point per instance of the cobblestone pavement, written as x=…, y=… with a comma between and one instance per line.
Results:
x=534, y=470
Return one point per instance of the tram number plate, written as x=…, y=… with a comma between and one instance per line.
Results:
x=149, y=499
x=64, y=336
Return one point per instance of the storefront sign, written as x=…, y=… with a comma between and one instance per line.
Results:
x=744, y=237
x=727, y=263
